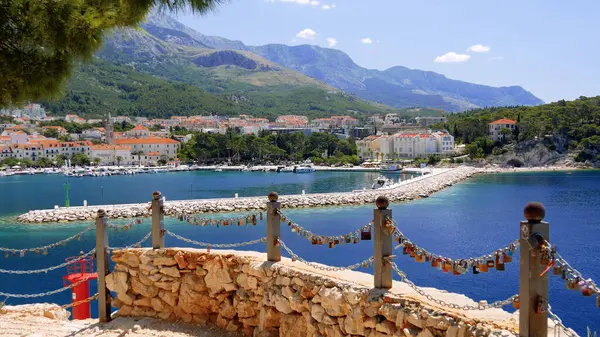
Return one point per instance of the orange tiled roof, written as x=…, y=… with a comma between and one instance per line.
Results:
x=125, y=141
x=139, y=128
x=504, y=121
x=153, y=154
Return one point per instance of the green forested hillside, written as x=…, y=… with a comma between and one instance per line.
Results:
x=101, y=86
x=578, y=121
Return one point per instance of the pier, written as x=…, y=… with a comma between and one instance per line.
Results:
x=417, y=187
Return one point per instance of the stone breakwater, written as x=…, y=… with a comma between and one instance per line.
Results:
x=407, y=190
x=239, y=292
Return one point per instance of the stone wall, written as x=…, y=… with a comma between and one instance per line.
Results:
x=240, y=292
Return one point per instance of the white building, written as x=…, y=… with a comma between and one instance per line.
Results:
x=139, y=131
x=165, y=147
x=112, y=154
x=429, y=121
x=95, y=133
x=495, y=128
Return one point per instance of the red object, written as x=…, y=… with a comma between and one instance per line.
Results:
x=77, y=271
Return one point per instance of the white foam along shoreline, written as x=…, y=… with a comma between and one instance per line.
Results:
x=407, y=190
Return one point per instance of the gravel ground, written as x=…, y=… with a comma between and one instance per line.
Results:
x=33, y=321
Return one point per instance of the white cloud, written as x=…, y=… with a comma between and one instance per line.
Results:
x=331, y=42
x=299, y=2
x=307, y=34
x=327, y=7
x=452, y=57
x=479, y=48
x=496, y=58
x=366, y=40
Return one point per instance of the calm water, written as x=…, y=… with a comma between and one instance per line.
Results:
x=16, y=191
x=468, y=219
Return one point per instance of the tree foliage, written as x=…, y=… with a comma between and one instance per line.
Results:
x=320, y=147
x=578, y=121
x=42, y=40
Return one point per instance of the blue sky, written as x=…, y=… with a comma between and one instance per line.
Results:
x=548, y=47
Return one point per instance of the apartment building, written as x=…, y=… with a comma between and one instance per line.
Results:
x=406, y=145
x=112, y=154
x=166, y=147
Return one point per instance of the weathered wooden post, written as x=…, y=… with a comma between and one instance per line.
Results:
x=382, y=243
x=158, y=225
x=273, y=228
x=533, y=288
x=102, y=266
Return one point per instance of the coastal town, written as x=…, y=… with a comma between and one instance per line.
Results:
x=38, y=139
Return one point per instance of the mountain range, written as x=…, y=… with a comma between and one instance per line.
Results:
x=398, y=86
x=165, y=68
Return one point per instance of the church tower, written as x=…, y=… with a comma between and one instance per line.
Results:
x=109, y=130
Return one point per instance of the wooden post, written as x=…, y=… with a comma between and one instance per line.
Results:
x=382, y=243
x=273, y=228
x=532, y=286
x=158, y=225
x=102, y=266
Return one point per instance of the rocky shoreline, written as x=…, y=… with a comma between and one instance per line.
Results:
x=408, y=190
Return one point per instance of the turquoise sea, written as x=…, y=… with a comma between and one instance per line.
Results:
x=468, y=219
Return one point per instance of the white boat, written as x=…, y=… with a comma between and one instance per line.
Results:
x=390, y=168
x=288, y=169
x=304, y=169
x=218, y=169
x=382, y=181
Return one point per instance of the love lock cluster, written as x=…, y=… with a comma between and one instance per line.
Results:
x=361, y=234
x=245, y=220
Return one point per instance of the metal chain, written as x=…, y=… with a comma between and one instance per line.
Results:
x=52, y=245
x=48, y=293
x=570, y=270
x=126, y=226
x=295, y=227
x=224, y=222
x=46, y=270
x=216, y=245
x=559, y=324
x=74, y=304
x=294, y=256
x=480, y=306
x=135, y=245
x=470, y=262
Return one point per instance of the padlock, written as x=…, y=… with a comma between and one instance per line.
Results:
x=260, y=214
x=293, y=258
x=412, y=252
x=420, y=258
x=336, y=241
x=315, y=241
x=499, y=264
x=557, y=269
x=365, y=234
x=475, y=271
x=347, y=239
x=254, y=219
x=587, y=291
x=516, y=304
x=598, y=301
x=506, y=258
x=446, y=266
x=355, y=240
x=331, y=244
x=435, y=263
x=289, y=223
x=239, y=222
x=405, y=250
x=483, y=266
x=490, y=263
x=427, y=257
